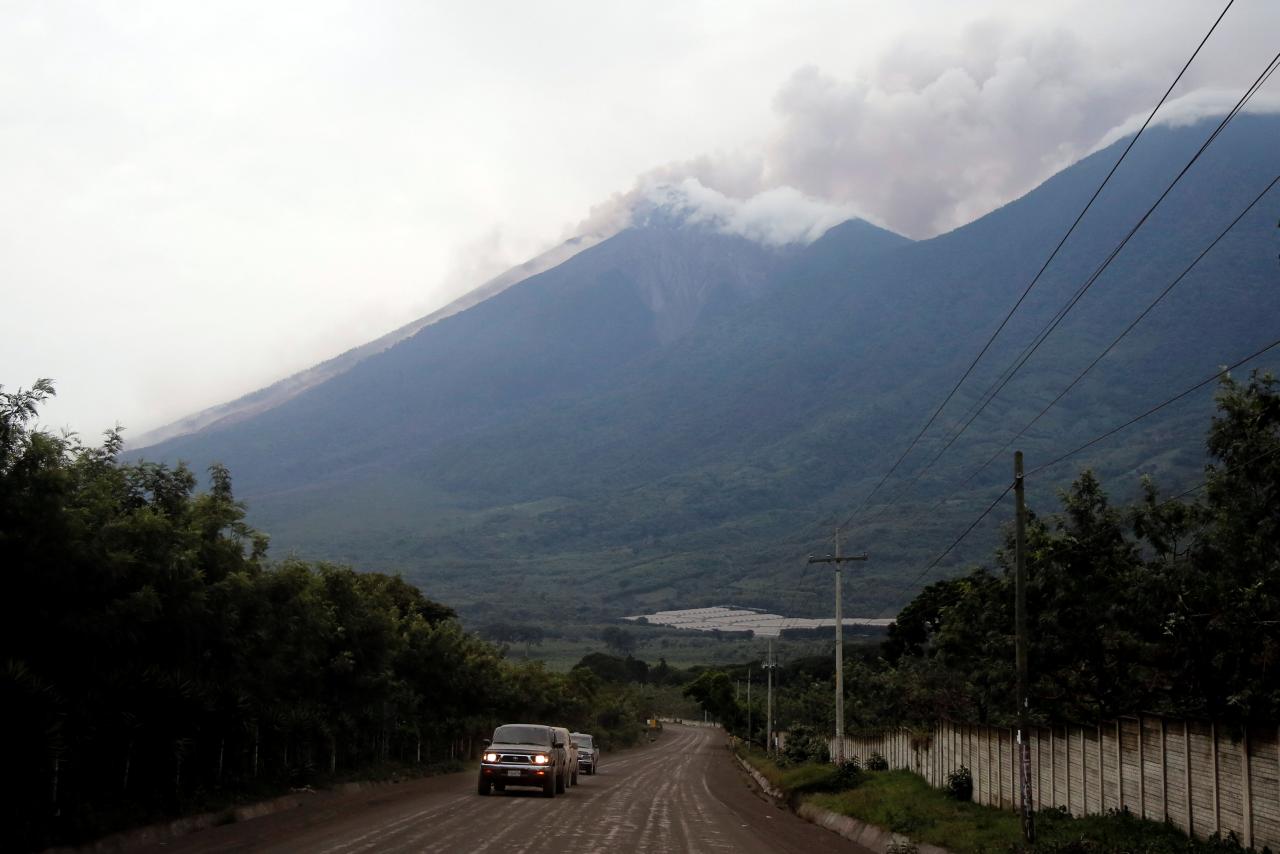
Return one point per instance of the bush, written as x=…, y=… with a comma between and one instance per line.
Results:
x=848, y=774
x=804, y=744
x=960, y=784
x=876, y=762
x=1121, y=830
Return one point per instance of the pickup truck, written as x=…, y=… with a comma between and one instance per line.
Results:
x=588, y=753
x=525, y=755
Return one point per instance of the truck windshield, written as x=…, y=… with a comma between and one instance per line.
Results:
x=522, y=734
x=582, y=740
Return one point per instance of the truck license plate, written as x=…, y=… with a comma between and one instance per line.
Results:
x=513, y=773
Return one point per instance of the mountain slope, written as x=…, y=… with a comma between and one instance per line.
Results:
x=663, y=420
x=273, y=395
x=562, y=332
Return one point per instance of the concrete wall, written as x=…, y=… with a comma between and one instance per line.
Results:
x=1203, y=778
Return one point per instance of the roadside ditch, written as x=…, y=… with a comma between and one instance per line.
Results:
x=878, y=839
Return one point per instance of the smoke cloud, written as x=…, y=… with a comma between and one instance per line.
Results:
x=938, y=137
x=939, y=131
x=775, y=217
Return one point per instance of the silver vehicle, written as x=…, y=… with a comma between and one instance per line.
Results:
x=527, y=755
x=562, y=734
x=588, y=753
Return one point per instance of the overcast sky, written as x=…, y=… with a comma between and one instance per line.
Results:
x=200, y=198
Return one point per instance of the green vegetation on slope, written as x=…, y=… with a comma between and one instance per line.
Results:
x=552, y=439
x=155, y=662
x=1167, y=606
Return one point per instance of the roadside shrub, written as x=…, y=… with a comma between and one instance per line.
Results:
x=907, y=819
x=960, y=784
x=809, y=778
x=804, y=744
x=848, y=774
x=1121, y=830
x=876, y=762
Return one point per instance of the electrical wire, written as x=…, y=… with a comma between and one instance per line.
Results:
x=1048, y=330
x=1128, y=328
x=937, y=560
x=1181, y=495
x=1168, y=289
x=1062, y=312
x=1191, y=390
x=1111, y=432
x=1228, y=470
x=985, y=347
x=1154, y=409
x=1009, y=372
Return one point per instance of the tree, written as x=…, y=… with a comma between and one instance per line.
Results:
x=1168, y=605
x=619, y=640
x=1224, y=624
x=713, y=690
x=917, y=623
x=151, y=654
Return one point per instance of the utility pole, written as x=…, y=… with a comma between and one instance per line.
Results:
x=768, y=730
x=748, y=705
x=1020, y=621
x=838, y=561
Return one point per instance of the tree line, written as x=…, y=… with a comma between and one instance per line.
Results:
x=154, y=661
x=1166, y=605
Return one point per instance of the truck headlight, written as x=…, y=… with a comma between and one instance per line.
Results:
x=540, y=759
x=491, y=757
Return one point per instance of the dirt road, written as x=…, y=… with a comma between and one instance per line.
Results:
x=683, y=793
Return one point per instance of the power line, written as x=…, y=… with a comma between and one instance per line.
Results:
x=1036, y=279
x=1126, y=331
x=1181, y=495
x=959, y=539
x=1111, y=432
x=991, y=394
x=1100, y=438
x=1155, y=408
x=797, y=590
x=1048, y=330
x=1007, y=375
x=1228, y=470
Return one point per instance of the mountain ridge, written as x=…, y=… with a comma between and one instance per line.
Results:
x=583, y=447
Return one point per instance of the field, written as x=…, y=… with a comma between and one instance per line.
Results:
x=562, y=647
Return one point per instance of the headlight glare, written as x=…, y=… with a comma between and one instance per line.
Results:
x=540, y=759
x=491, y=757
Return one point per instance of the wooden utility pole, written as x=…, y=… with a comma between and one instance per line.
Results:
x=768, y=730
x=748, y=705
x=1020, y=621
x=838, y=560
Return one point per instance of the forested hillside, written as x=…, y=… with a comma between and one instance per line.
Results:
x=1169, y=604
x=155, y=662
x=576, y=430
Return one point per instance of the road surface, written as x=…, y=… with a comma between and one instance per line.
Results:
x=683, y=793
